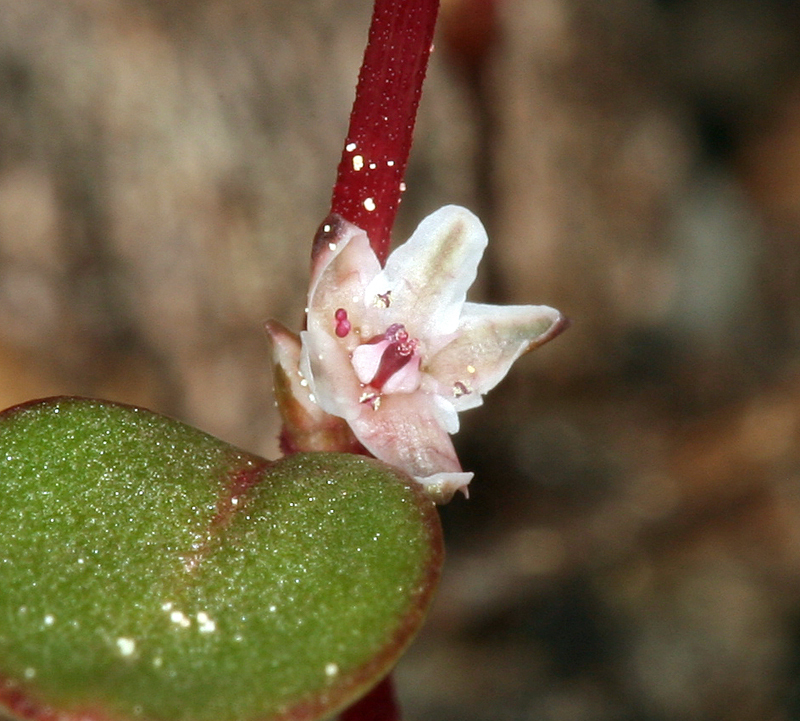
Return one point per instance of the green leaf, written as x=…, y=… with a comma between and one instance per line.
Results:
x=150, y=571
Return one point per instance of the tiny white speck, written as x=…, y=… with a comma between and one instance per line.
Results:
x=80, y=561
x=402, y=187
x=312, y=398
x=49, y=620
x=180, y=619
x=358, y=162
x=305, y=310
x=350, y=147
x=158, y=662
x=470, y=369
x=332, y=246
x=30, y=672
x=372, y=166
x=369, y=204
x=326, y=228
x=273, y=608
x=126, y=646
x=234, y=501
x=167, y=606
x=390, y=163
x=205, y=623
x=331, y=669
x=304, y=383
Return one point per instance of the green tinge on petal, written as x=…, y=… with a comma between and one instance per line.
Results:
x=150, y=571
x=490, y=338
x=430, y=274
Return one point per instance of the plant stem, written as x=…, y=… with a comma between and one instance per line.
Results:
x=369, y=181
x=378, y=705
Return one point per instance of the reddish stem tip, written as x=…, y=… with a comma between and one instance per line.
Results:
x=369, y=181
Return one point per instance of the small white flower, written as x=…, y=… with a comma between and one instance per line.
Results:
x=397, y=351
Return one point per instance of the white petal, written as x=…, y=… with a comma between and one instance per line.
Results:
x=405, y=431
x=332, y=238
x=339, y=276
x=427, y=277
x=366, y=359
x=447, y=414
x=332, y=383
x=489, y=340
x=286, y=353
x=406, y=379
x=289, y=381
x=441, y=487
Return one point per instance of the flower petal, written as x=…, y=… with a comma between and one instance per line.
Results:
x=286, y=351
x=343, y=264
x=401, y=396
x=366, y=360
x=441, y=487
x=306, y=427
x=332, y=237
x=406, y=431
x=332, y=382
x=427, y=277
x=489, y=339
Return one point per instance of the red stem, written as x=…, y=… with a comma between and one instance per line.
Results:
x=369, y=180
x=378, y=705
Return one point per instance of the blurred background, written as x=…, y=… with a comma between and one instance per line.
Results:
x=631, y=550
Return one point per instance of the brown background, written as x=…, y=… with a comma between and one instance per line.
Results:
x=632, y=547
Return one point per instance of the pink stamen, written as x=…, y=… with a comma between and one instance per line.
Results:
x=343, y=326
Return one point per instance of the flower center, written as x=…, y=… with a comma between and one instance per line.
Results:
x=388, y=363
x=395, y=355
